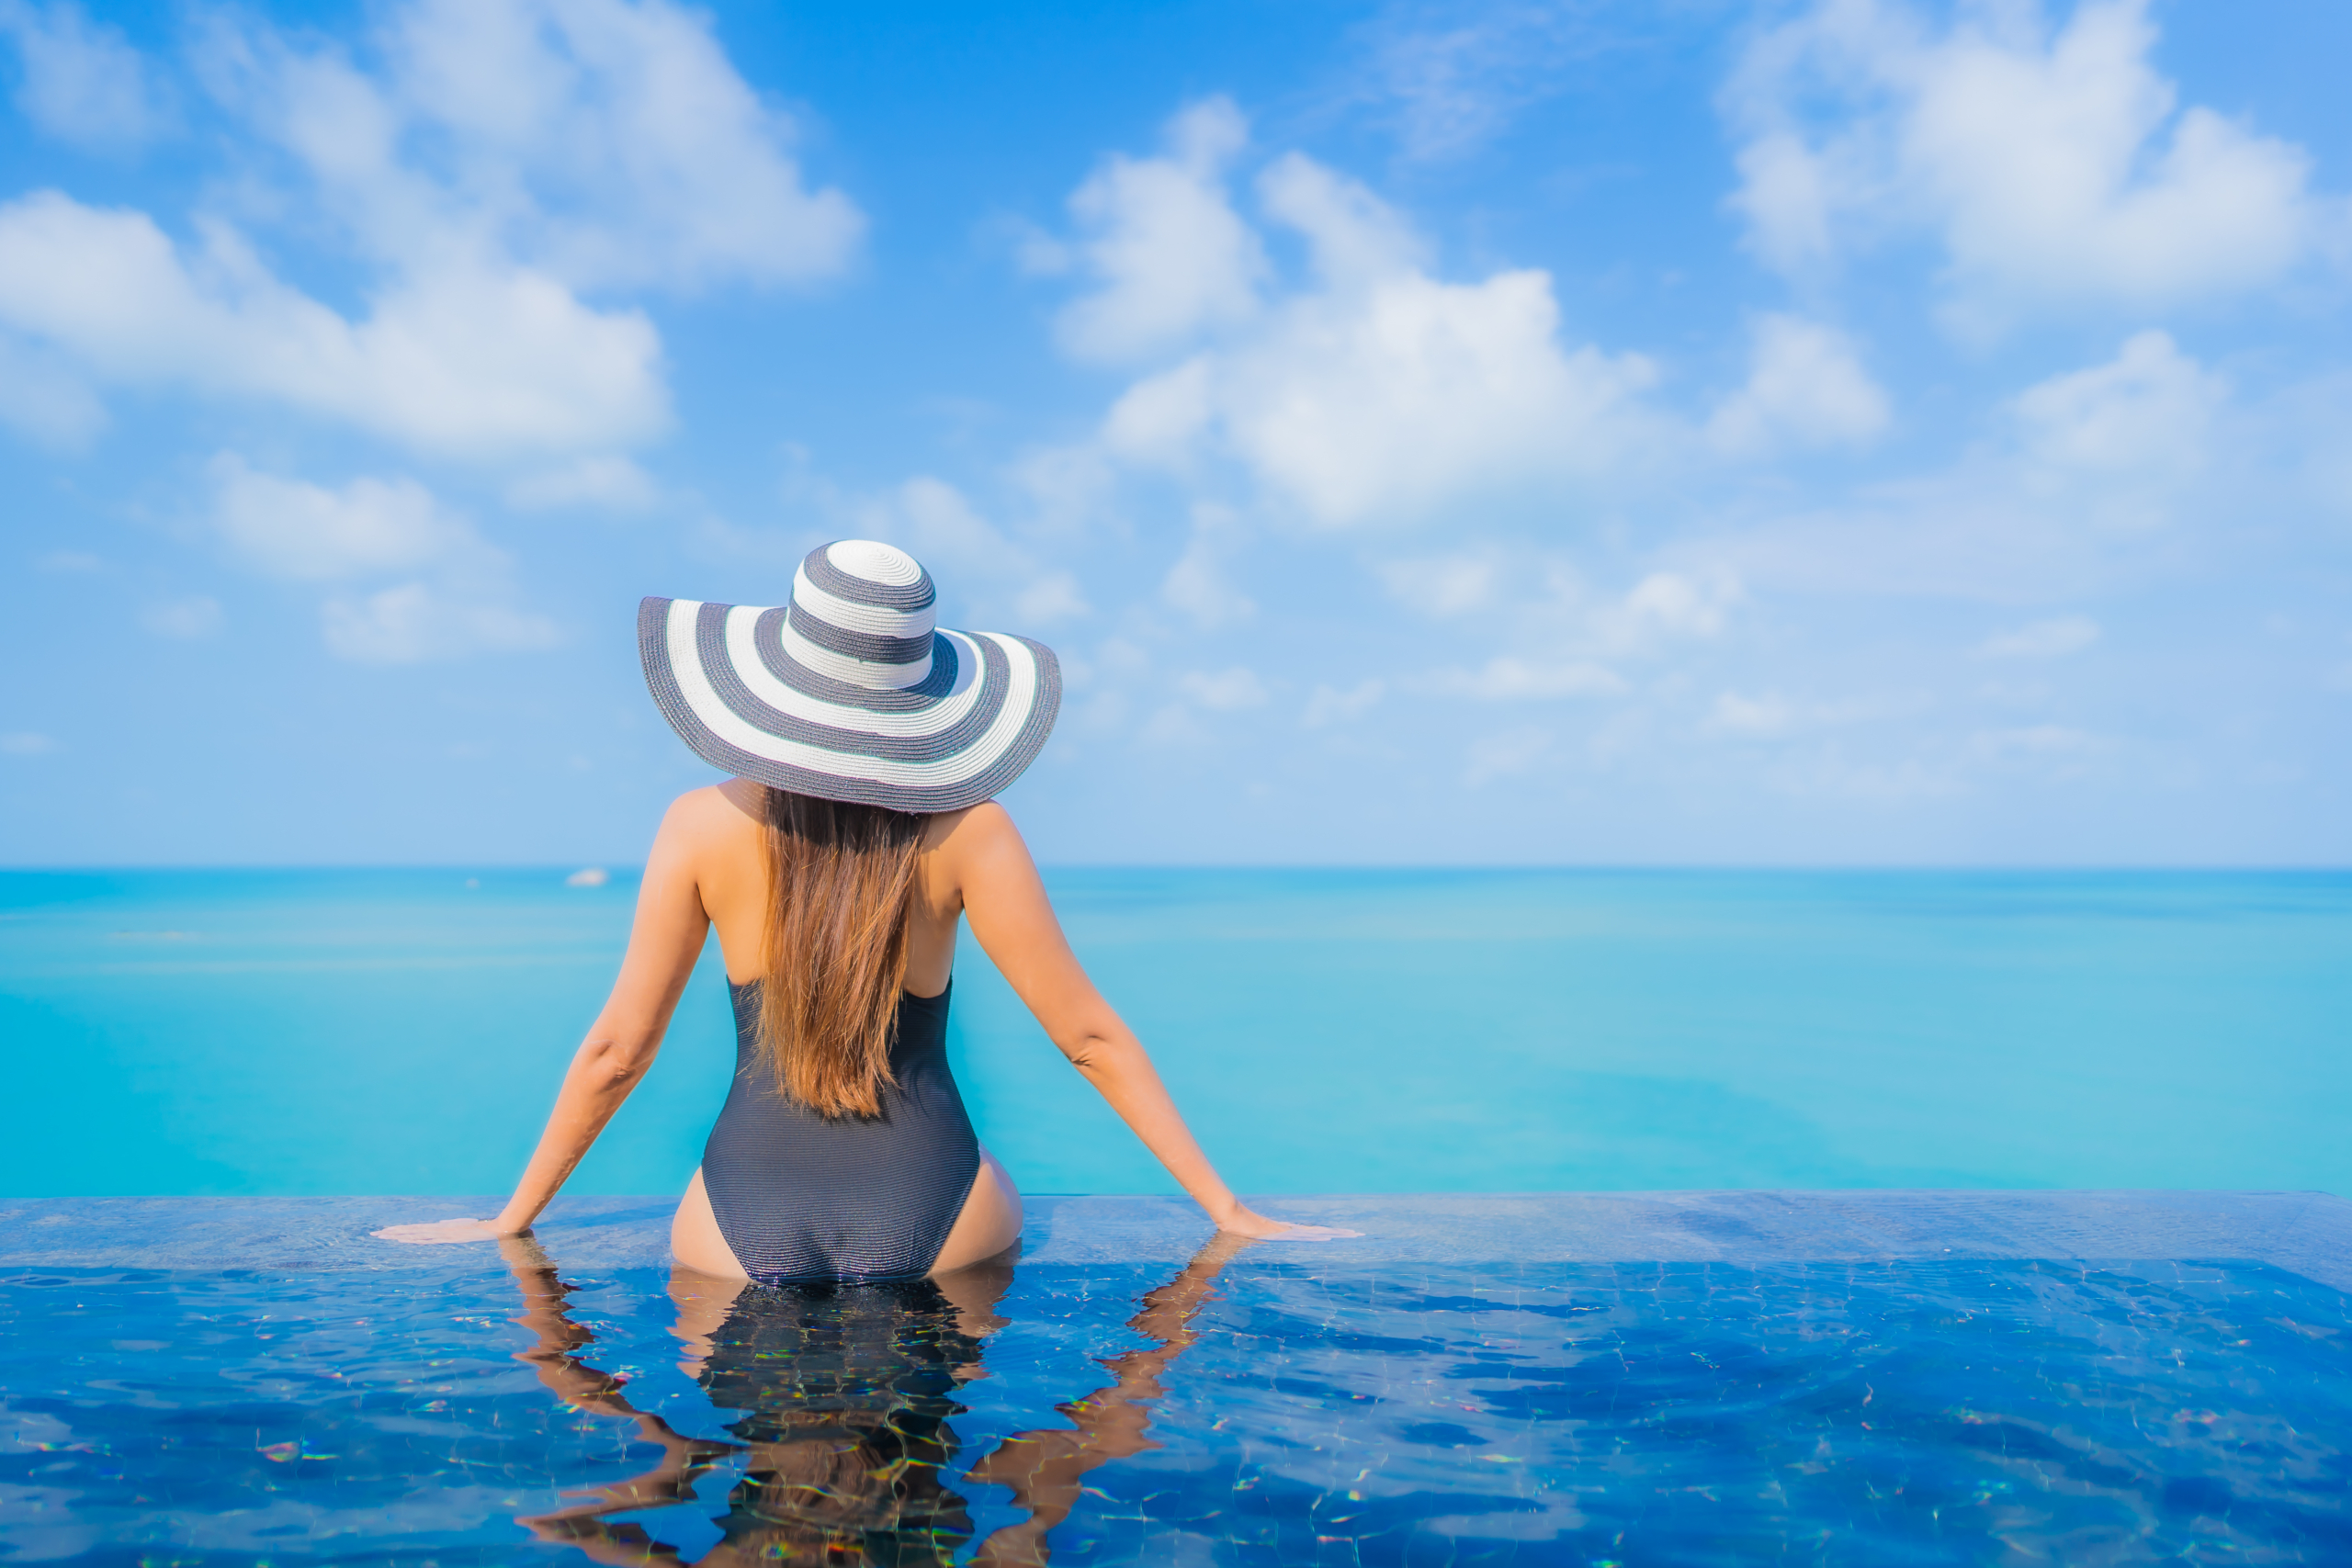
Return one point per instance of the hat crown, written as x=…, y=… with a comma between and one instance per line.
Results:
x=862, y=613
x=848, y=692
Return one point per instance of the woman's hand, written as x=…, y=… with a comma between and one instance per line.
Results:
x=441, y=1231
x=1248, y=1222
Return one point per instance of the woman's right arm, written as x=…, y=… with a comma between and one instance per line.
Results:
x=1006, y=903
x=665, y=939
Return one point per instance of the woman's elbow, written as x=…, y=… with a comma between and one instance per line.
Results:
x=1092, y=1053
x=614, y=1064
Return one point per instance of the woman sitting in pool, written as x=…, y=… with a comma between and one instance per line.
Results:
x=859, y=828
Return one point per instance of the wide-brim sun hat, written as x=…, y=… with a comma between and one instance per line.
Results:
x=849, y=692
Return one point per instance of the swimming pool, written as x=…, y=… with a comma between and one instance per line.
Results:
x=1633, y=1379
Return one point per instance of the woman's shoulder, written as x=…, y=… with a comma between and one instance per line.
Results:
x=971, y=825
x=713, y=813
x=978, y=846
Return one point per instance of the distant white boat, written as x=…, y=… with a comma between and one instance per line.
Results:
x=591, y=876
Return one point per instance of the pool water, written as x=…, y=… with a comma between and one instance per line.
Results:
x=1133, y=1391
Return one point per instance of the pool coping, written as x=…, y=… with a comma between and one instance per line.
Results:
x=2309, y=1233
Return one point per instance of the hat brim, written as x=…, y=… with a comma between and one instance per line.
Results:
x=722, y=676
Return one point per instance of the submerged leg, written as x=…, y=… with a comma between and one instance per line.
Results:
x=987, y=1224
x=696, y=1240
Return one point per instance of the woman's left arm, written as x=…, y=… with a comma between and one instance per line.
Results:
x=663, y=944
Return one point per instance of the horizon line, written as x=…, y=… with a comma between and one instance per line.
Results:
x=629, y=868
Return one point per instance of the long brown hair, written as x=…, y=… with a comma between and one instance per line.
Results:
x=841, y=884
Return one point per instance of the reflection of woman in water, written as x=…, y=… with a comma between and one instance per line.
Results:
x=846, y=1393
x=859, y=832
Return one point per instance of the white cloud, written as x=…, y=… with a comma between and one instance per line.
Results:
x=1666, y=605
x=1770, y=716
x=605, y=143
x=2055, y=748
x=1454, y=75
x=1066, y=489
x=2051, y=638
x=1355, y=239
x=1159, y=421
x=610, y=482
x=1505, y=679
x=185, y=619
x=1560, y=639
x=468, y=360
x=1974, y=531
x=2059, y=503
x=2050, y=164
x=1226, y=690
x=306, y=533
x=494, y=159
x=458, y=599
x=2147, y=411
x=1444, y=585
x=1529, y=594
x=1414, y=392
x=1828, y=773
x=1055, y=596
x=1787, y=194
x=1504, y=754
x=1168, y=255
x=26, y=743
x=1806, y=388
x=1197, y=584
x=1329, y=704
x=1765, y=714
x=936, y=524
x=82, y=82
x=42, y=398
x=1375, y=390
x=1178, y=725
x=942, y=525
x=1175, y=727
x=417, y=620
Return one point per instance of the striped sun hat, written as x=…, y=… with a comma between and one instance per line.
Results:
x=849, y=693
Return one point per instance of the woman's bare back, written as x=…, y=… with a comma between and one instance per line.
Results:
x=723, y=826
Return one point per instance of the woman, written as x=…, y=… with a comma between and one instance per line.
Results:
x=859, y=828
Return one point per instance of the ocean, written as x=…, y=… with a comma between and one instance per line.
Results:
x=364, y=1031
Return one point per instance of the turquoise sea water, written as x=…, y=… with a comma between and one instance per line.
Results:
x=298, y=1032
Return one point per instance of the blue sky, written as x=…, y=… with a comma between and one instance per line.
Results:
x=1838, y=433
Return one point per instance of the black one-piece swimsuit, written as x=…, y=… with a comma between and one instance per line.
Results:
x=803, y=1197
